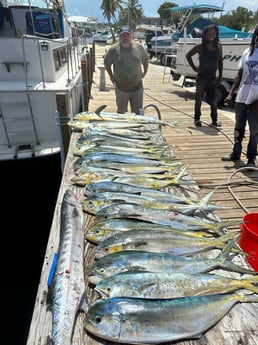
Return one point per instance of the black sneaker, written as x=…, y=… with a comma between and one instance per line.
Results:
x=198, y=123
x=215, y=124
x=230, y=157
x=251, y=163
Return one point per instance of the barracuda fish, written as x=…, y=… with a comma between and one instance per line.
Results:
x=170, y=285
x=162, y=242
x=116, y=157
x=153, y=321
x=165, y=217
x=129, y=260
x=104, y=116
x=148, y=152
x=99, y=231
x=100, y=200
x=67, y=290
x=113, y=186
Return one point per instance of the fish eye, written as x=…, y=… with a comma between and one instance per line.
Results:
x=98, y=319
x=102, y=270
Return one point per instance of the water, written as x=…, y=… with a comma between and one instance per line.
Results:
x=29, y=190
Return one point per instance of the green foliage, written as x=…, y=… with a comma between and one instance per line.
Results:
x=121, y=12
x=131, y=13
x=164, y=11
x=239, y=19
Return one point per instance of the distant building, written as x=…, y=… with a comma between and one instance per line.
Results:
x=83, y=21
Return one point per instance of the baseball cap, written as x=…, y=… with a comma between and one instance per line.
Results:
x=125, y=29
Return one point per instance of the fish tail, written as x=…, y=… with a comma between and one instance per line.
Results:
x=219, y=226
x=204, y=202
x=179, y=179
x=172, y=124
x=225, y=260
x=248, y=298
x=252, y=287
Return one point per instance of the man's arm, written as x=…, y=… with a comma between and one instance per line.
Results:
x=145, y=68
x=110, y=73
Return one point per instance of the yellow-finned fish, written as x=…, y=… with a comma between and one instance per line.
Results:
x=153, y=321
x=105, y=116
x=162, y=242
x=170, y=285
x=166, y=217
x=101, y=230
x=94, y=203
x=130, y=260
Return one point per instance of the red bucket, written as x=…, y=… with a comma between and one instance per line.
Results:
x=249, y=238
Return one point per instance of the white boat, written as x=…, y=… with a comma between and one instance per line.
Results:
x=189, y=27
x=232, y=49
x=104, y=36
x=40, y=58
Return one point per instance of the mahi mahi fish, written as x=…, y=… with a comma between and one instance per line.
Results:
x=162, y=242
x=148, y=152
x=129, y=260
x=153, y=321
x=155, y=181
x=175, y=219
x=90, y=139
x=95, y=203
x=68, y=286
x=117, y=157
x=112, y=186
x=101, y=230
x=170, y=285
x=105, y=116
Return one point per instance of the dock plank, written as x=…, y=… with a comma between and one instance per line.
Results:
x=200, y=150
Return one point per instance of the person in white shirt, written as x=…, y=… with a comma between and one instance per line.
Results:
x=247, y=99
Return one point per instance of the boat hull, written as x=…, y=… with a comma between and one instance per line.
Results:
x=36, y=69
x=232, y=51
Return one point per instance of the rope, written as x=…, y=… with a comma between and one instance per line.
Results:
x=229, y=184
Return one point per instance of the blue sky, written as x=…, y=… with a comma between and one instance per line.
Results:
x=91, y=8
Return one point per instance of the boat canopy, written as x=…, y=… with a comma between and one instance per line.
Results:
x=197, y=9
x=225, y=32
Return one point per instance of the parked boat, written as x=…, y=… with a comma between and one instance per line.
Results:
x=103, y=36
x=234, y=42
x=40, y=58
x=189, y=26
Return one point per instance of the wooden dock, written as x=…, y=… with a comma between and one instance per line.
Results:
x=200, y=149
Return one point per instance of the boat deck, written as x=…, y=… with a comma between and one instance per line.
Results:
x=200, y=149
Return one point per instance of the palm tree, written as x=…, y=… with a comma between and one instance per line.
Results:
x=109, y=8
x=135, y=12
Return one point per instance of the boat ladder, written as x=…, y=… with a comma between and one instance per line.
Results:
x=168, y=64
x=19, y=125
